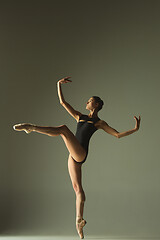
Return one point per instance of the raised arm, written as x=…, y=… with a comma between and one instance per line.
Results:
x=66, y=105
x=103, y=125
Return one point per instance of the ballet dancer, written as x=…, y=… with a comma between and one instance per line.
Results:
x=78, y=144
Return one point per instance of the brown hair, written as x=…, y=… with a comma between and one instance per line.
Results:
x=99, y=101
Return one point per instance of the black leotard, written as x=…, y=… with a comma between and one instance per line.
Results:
x=85, y=129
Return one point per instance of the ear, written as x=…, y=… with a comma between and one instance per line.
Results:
x=97, y=104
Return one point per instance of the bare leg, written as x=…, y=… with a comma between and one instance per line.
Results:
x=71, y=142
x=76, y=177
x=80, y=199
x=77, y=152
x=50, y=131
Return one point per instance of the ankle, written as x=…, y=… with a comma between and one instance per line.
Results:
x=79, y=219
x=34, y=127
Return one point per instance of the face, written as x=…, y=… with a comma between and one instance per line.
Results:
x=91, y=104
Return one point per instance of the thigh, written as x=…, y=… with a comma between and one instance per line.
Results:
x=75, y=172
x=73, y=145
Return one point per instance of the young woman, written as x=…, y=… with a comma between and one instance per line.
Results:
x=77, y=144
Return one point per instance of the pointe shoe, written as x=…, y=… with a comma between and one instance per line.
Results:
x=80, y=223
x=27, y=127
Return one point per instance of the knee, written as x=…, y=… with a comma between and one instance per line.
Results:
x=64, y=129
x=76, y=187
x=79, y=191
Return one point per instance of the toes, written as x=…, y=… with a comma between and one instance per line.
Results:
x=80, y=228
x=22, y=127
x=14, y=127
x=17, y=126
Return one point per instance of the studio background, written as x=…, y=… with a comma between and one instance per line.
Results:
x=110, y=49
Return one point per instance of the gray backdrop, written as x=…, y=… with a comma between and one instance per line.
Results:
x=111, y=49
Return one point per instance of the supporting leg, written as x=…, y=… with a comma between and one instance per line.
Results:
x=80, y=199
x=76, y=177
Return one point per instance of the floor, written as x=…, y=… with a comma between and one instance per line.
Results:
x=72, y=238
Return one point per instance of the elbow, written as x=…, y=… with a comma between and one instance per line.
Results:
x=62, y=103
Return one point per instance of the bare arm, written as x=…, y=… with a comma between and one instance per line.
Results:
x=60, y=94
x=103, y=125
x=66, y=105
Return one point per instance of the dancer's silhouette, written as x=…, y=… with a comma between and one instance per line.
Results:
x=77, y=144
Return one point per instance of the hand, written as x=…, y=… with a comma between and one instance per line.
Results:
x=137, y=122
x=64, y=80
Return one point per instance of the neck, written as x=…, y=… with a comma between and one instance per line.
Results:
x=93, y=114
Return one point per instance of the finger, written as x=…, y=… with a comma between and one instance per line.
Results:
x=67, y=77
x=68, y=81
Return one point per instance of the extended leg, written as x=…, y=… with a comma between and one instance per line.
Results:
x=71, y=142
x=50, y=131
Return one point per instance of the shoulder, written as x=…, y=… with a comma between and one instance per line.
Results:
x=80, y=116
x=100, y=124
